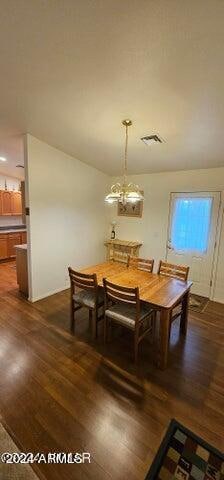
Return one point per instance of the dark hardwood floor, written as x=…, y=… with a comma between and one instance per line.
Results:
x=65, y=393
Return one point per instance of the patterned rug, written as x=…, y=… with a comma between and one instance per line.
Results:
x=13, y=471
x=184, y=456
x=198, y=303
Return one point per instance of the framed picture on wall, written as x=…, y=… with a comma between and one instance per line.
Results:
x=130, y=209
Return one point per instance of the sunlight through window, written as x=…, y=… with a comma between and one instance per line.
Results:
x=191, y=224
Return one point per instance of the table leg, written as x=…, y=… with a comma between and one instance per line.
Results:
x=94, y=325
x=164, y=329
x=184, y=316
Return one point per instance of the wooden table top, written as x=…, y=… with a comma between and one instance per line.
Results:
x=160, y=291
x=124, y=243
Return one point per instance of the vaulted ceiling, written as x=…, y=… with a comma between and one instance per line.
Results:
x=71, y=70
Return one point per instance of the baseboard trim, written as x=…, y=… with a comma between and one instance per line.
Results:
x=217, y=299
x=48, y=294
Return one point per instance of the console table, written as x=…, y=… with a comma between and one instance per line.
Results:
x=131, y=248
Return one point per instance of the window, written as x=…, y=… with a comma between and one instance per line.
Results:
x=191, y=223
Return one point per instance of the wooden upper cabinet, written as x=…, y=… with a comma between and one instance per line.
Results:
x=10, y=203
x=16, y=203
x=6, y=203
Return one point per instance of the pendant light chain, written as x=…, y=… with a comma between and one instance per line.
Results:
x=126, y=154
x=125, y=192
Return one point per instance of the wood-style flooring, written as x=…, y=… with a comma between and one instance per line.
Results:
x=60, y=392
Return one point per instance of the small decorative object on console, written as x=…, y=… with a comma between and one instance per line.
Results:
x=113, y=233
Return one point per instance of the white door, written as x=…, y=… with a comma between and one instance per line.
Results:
x=192, y=235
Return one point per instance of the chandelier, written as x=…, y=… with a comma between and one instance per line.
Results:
x=125, y=192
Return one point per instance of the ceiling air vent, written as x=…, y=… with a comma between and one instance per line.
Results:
x=151, y=139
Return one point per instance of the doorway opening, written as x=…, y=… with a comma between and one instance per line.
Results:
x=13, y=229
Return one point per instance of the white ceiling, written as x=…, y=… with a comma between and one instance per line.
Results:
x=72, y=70
x=12, y=149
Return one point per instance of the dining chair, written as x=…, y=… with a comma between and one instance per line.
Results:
x=122, y=306
x=119, y=256
x=175, y=271
x=89, y=295
x=145, y=265
x=180, y=272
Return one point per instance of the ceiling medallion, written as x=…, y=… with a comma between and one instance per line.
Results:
x=125, y=192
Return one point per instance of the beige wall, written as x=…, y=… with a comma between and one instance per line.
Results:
x=219, y=274
x=151, y=229
x=68, y=218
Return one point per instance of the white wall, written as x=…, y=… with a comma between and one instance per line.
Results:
x=219, y=281
x=151, y=229
x=68, y=218
x=12, y=184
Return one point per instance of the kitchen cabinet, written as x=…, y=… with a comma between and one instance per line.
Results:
x=16, y=203
x=3, y=247
x=6, y=203
x=8, y=242
x=10, y=203
x=13, y=239
x=23, y=237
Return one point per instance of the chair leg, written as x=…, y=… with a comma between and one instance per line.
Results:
x=72, y=317
x=105, y=325
x=90, y=318
x=136, y=347
x=170, y=325
x=153, y=326
x=97, y=322
x=94, y=326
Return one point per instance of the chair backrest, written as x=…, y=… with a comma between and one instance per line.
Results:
x=119, y=256
x=141, y=264
x=119, y=294
x=84, y=281
x=175, y=271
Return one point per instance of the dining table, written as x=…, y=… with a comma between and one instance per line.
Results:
x=162, y=293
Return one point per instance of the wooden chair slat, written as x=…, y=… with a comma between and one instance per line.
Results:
x=121, y=288
x=121, y=292
x=81, y=275
x=143, y=264
x=84, y=285
x=174, y=271
x=87, y=281
x=114, y=294
x=173, y=265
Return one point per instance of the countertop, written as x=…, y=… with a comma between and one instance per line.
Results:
x=12, y=229
x=21, y=247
